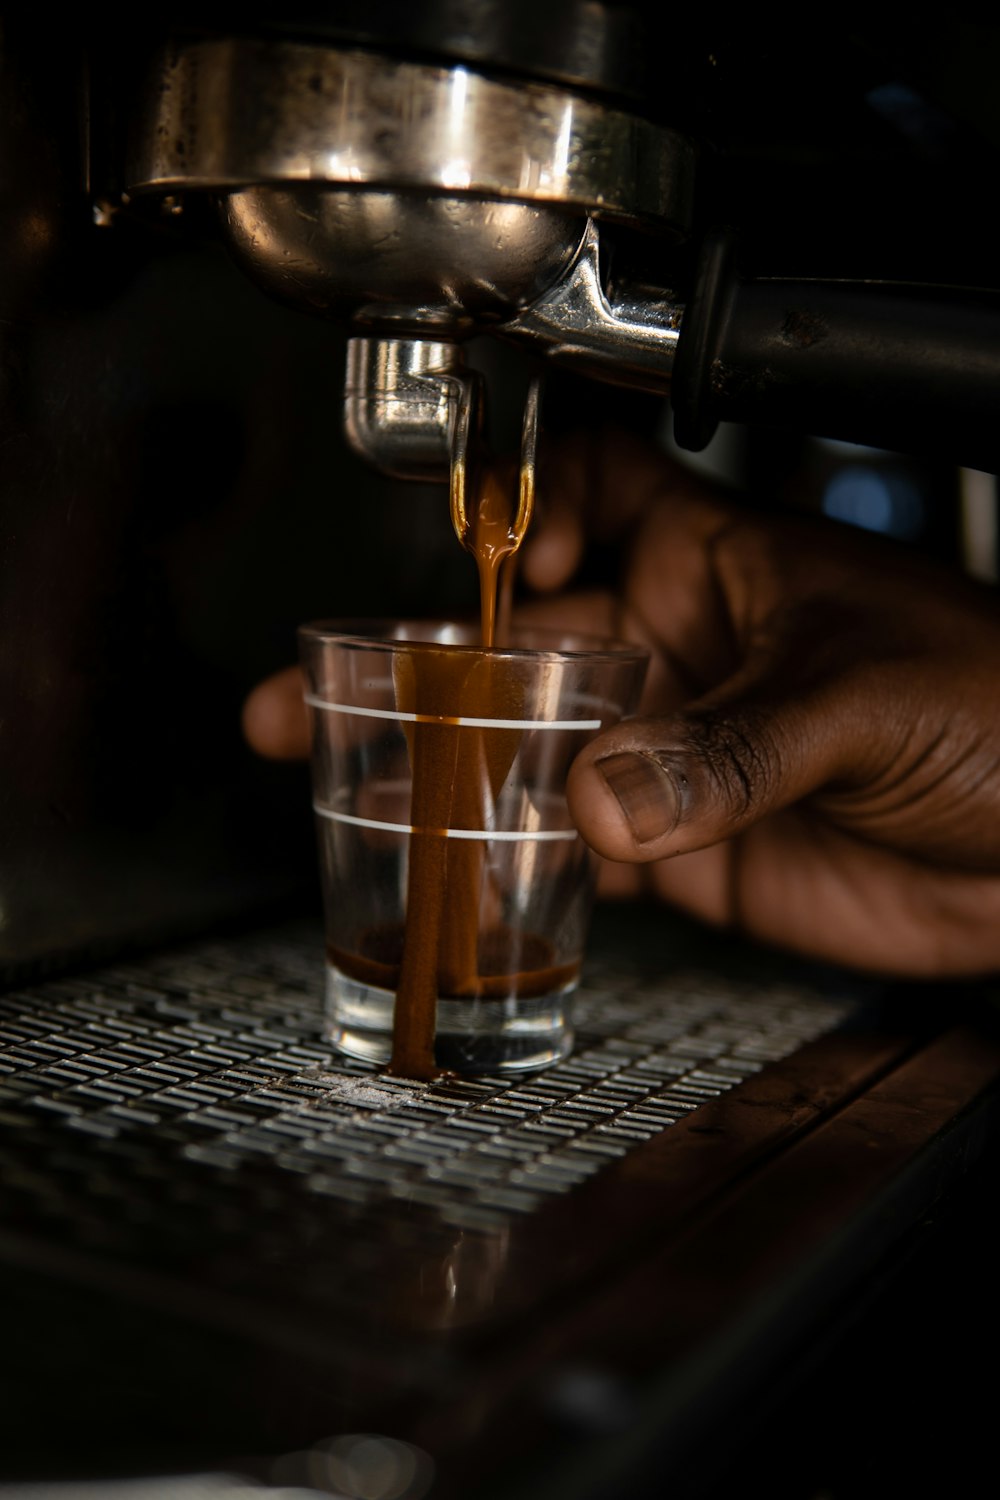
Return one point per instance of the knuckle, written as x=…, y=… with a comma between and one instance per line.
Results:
x=740, y=762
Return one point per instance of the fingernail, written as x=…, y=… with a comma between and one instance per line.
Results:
x=645, y=792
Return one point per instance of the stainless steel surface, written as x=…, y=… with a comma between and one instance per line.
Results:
x=463, y=459
x=401, y=404
x=402, y=396
x=232, y=112
x=420, y=200
x=628, y=339
x=416, y=262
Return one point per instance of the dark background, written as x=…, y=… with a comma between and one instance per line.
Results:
x=176, y=497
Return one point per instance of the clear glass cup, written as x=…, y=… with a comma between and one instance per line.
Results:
x=455, y=887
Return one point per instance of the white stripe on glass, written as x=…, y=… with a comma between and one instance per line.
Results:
x=508, y=836
x=466, y=723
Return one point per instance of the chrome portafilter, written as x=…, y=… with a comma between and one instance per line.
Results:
x=419, y=204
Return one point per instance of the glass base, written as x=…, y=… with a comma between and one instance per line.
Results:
x=473, y=1036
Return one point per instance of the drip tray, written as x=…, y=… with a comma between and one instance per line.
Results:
x=220, y=1238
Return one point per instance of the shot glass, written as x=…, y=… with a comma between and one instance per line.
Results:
x=456, y=890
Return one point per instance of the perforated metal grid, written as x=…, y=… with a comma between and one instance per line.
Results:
x=147, y=1104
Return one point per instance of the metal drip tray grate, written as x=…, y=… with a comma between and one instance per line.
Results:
x=147, y=1102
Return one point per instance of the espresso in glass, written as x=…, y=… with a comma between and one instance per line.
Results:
x=456, y=890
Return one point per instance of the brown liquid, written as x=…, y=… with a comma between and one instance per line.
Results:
x=457, y=773
x=379, y=964
x=491, y=544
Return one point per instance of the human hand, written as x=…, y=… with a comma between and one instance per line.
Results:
x=818, y=756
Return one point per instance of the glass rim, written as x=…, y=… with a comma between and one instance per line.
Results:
x=374, y=634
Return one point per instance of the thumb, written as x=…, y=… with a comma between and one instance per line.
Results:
x=655, y=787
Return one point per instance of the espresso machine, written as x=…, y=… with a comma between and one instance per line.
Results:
x=269, y=275
x=430, y=178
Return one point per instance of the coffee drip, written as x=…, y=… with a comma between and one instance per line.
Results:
x=457, y=772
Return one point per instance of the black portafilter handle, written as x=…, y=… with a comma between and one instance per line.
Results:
x=911, y=368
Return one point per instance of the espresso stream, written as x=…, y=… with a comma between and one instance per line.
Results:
x=446, y=948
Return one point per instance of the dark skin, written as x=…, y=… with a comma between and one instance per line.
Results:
x=817, y=759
